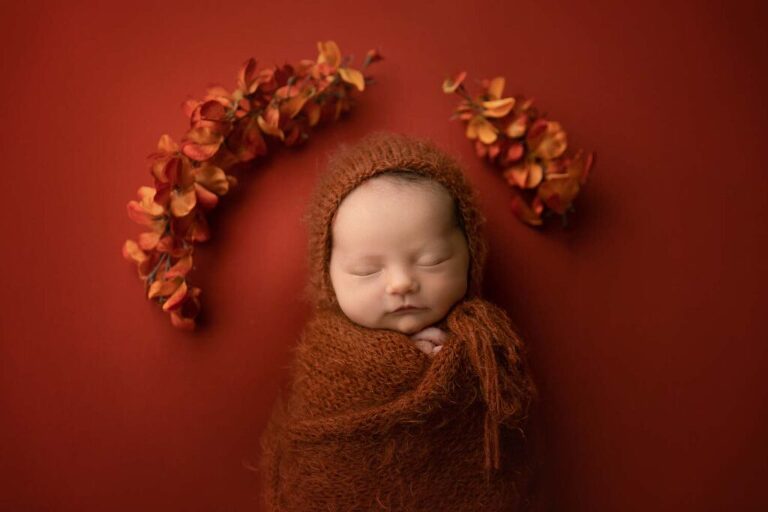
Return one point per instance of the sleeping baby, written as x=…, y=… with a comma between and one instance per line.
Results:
x=408, y=391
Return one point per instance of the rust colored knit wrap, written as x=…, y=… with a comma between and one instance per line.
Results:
x=372, y=423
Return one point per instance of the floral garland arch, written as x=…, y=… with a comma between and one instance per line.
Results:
x=227, y=128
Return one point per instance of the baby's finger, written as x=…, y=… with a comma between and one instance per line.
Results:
x=424, y=346
x=436, y=349
x=433, y=334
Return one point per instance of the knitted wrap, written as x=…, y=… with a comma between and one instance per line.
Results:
x=372, y=423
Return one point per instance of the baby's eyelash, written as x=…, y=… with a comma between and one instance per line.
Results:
x=433, y=264
x=365, y=274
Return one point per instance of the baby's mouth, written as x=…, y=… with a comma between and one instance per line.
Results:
x=406, y=309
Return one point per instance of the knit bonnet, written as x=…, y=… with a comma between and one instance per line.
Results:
x=351, y=165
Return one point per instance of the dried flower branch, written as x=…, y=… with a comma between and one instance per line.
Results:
x=529, y=149
x=279, y=103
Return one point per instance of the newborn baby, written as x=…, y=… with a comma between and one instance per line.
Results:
x=399, y=259
x=408, y=390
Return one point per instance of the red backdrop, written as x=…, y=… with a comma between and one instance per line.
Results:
x=645, y=320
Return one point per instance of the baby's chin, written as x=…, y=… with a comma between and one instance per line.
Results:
x=410, y=324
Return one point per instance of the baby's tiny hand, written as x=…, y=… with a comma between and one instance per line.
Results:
x=430, y=340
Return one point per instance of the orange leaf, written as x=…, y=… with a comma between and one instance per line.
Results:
x=205, y=197
x=498, y=108
x=527, y=175
x=479, y=127
x=213, y=178
x=183, y=201
x=245, y=78
x=514, y=153
x=181, y=322
x=166, y=144
x=293, y=105
x=525, y=212
x=371, y=57
x=270, y=124
x=353, y=77
x=480, y=148
x=329, y=54
x=247, y=140
x=201, y=143
x=553, y=143
x=148, y=201
x=131, y=251
x=517, y=127
x=163, y=288
x=148, y=241
x=496, y=87
x=312, y=109
x=181, y=268
x=558, y=192
x=451, y=84
x=174, y=301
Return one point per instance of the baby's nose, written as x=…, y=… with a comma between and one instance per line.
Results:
x=401, y=282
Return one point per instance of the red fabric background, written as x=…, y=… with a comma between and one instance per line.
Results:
x=645, y=320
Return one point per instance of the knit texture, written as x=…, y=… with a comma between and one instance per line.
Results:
x=370, y=422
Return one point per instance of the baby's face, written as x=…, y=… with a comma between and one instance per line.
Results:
x=397, y=244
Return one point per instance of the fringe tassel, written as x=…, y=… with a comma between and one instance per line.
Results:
x=495, y=352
